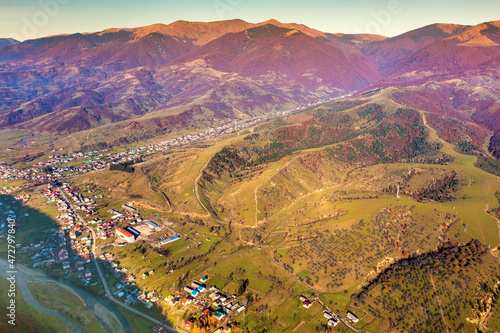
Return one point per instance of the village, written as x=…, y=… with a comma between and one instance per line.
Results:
x=68, y=251
x=65, y=164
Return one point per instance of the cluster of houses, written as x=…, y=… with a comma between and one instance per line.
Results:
x=80, y=240
x=101, y=159
x=332, y=321
x=9, y=173
x=130, y=295
x=23, y=197
x=7, y=209
x=103, y=227
x=67, y=216
x=213, y=302
x=126, y=289
x=57, y=253
x=11, y=189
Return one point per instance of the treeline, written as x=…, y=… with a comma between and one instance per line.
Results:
x=394, y=137
x=460, y=280
x=439, y=262
x=125, y=166
x=440, y=190
x=489, y=165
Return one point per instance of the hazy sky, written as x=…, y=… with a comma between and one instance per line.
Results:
x=26, y=19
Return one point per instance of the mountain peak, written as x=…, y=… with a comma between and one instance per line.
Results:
x=294, y=26
x=271, y=21
x=484, y=34
x=7, y=42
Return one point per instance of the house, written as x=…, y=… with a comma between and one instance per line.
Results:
x=352, y=317
x=159, y=329
x=306, y=304
x=240, y=309
x=170, y=239
x=203, y=279
x=125, y=235
x=88, y=274
x=152, y=225
x=117, y=213
x=187, y=300
x=200, y=287
x=133, y=231
x=332, y=322
x=189, y=324
x=129, y=208
x=63, y=254
x=219, y=315
x=66, y=265
x=86, y=256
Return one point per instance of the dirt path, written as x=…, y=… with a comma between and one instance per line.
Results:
x=150, y=181
x=486, y=145
x=438, y=299
x=88, y=137
x=196, y=192
x=257, y=189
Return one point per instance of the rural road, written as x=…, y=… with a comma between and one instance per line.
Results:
x=103, y=280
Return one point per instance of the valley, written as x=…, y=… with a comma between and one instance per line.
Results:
x=288, y=219
x=239, y=177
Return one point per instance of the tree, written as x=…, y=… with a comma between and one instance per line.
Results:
x=243, y=287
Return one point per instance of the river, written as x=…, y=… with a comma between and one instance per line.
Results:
x=106, y=313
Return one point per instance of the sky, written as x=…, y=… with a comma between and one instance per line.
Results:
x=28, y=19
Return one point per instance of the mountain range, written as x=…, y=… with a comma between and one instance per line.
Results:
x=158, y=77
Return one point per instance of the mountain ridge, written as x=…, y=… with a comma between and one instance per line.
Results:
x=230, y=69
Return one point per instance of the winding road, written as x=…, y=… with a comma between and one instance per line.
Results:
x=103, y=280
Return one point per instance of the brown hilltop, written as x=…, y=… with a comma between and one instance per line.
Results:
x=389, y=52
x=274, y=51
x=204, y=71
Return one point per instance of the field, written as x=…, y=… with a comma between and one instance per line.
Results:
x=291, y=224
x=55, y=297
x=137, y=323
x=320, y=203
